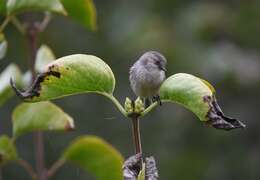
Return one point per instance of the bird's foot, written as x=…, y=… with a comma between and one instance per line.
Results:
x=157, y=99
x=147, y=102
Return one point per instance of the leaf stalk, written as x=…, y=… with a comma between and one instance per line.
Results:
x=28, y=168
x=54, y=168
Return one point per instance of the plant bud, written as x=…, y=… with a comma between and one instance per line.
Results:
x=128, y=106
x=139, y=105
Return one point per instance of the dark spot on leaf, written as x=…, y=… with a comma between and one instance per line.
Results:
x=51, y=67
x=207, y=99
x=35, y=88
x=67, y=68
x=216, y=117
x=54, y=73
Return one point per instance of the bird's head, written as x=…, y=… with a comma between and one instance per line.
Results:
x=153, y=60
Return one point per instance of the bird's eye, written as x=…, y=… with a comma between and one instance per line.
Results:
x=157, y=63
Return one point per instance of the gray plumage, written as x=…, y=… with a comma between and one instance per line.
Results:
x=147, y=74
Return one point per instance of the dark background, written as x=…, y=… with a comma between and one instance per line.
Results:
x=215, y=40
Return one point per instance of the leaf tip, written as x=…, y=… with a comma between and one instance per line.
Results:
x=217, y=119
x=69, y=126
x=16, y=90
x=64, y=12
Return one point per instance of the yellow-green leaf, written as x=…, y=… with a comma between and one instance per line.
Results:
x=189, y=91
x=96, y=156
x=70, y=75
x=83, y=11
x=7, y=150
x=198, y=96
x=44, y=116
x=18, y=6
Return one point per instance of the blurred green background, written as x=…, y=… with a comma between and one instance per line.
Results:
x=216, y=40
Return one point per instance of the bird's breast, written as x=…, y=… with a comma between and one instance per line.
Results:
x=148, y=83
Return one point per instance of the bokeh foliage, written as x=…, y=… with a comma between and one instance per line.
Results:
x=224, y=49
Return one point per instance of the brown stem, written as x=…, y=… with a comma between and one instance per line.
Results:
x=42, y=26
x=54, y=168
x=136, y=134
x=31, y=33
x=28, y=168
x=39, y=155
x=4, y=24
x=19, y=26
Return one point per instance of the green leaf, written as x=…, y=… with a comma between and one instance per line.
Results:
x=3, y=46
x=189, y=91
x=7, y=150
x=2, y=7
x=44, y=56
x=70, y=75
x=83, y=11
x=198, y=96
x=96, y=156
x=19, y=6
x=5, y=89
x=44, y=116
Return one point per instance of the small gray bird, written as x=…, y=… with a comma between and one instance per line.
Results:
x=147, y=75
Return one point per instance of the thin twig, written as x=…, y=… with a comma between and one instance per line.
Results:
x=39, y=154
x=116, y=102
x=55, y=167
x=4, y=24
x=16, y=22
x=31, y=34
x=42, y=26
x=28, y=168
x=151, y=107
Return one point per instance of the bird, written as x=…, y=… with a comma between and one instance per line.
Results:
x=146, y=76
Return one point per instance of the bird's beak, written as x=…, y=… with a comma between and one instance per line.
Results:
x=163, y=68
